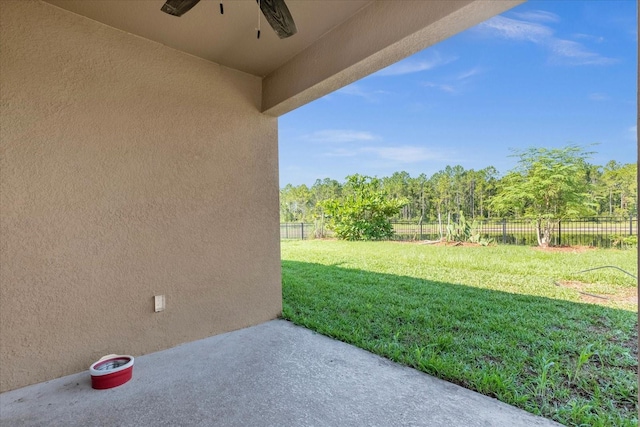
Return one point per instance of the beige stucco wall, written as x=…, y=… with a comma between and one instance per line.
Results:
x=128, y=170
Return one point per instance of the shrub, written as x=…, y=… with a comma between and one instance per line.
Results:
x=364, y=211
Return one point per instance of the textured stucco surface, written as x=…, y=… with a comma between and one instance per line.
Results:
x=128, y=170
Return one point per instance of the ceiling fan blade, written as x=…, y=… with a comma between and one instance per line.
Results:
x=279, y=17
x=178, y=7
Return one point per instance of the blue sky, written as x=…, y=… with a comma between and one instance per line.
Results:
x=544, y=74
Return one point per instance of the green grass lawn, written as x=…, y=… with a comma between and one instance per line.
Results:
x=491, y=319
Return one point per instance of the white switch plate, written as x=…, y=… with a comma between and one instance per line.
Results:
x=159, y=302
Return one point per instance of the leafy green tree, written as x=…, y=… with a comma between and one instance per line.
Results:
x=459, y=180
x=484, y=190
x=295, y=203
x=628, y=177
x=364, y=211
x=324, y=190
x=419, y=190
x=548, y=185
x=398, y=186
x=620, y=189
x=442, y=185
x=453, y=192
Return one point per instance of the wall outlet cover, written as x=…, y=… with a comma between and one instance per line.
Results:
x=159, y=302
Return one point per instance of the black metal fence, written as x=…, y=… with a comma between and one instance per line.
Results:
x=604, y=232
x=296, y=230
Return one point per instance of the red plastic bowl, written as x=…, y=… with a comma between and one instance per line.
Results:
x=111, y=371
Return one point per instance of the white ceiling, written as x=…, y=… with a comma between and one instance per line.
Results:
x=228, y=39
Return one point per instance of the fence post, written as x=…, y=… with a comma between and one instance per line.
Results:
x=559, y=233
x=631, y=225
x=420, y=228
x=302, y=231
x=504, y=231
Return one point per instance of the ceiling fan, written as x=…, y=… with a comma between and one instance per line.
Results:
x=276, y=12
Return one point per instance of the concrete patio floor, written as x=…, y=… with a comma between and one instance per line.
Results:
x=273, y=374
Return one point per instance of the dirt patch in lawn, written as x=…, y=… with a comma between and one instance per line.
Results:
x=571, y=249
x=442, y=243
x=627, y=295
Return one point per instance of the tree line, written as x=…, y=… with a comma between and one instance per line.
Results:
x=542, y=180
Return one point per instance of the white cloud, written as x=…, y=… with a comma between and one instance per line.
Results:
x=343, y=152
x=414, y=65
x=443, y=87
x=341, y=136
x=538, y=16
x=358, y=90
x=517, y=30
x=469, y=73
x=456, y=83
x=633, y=129
x=588, y=37
x=597, y=96
x=403, y=153
x=574, y=53
x=562, y=51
